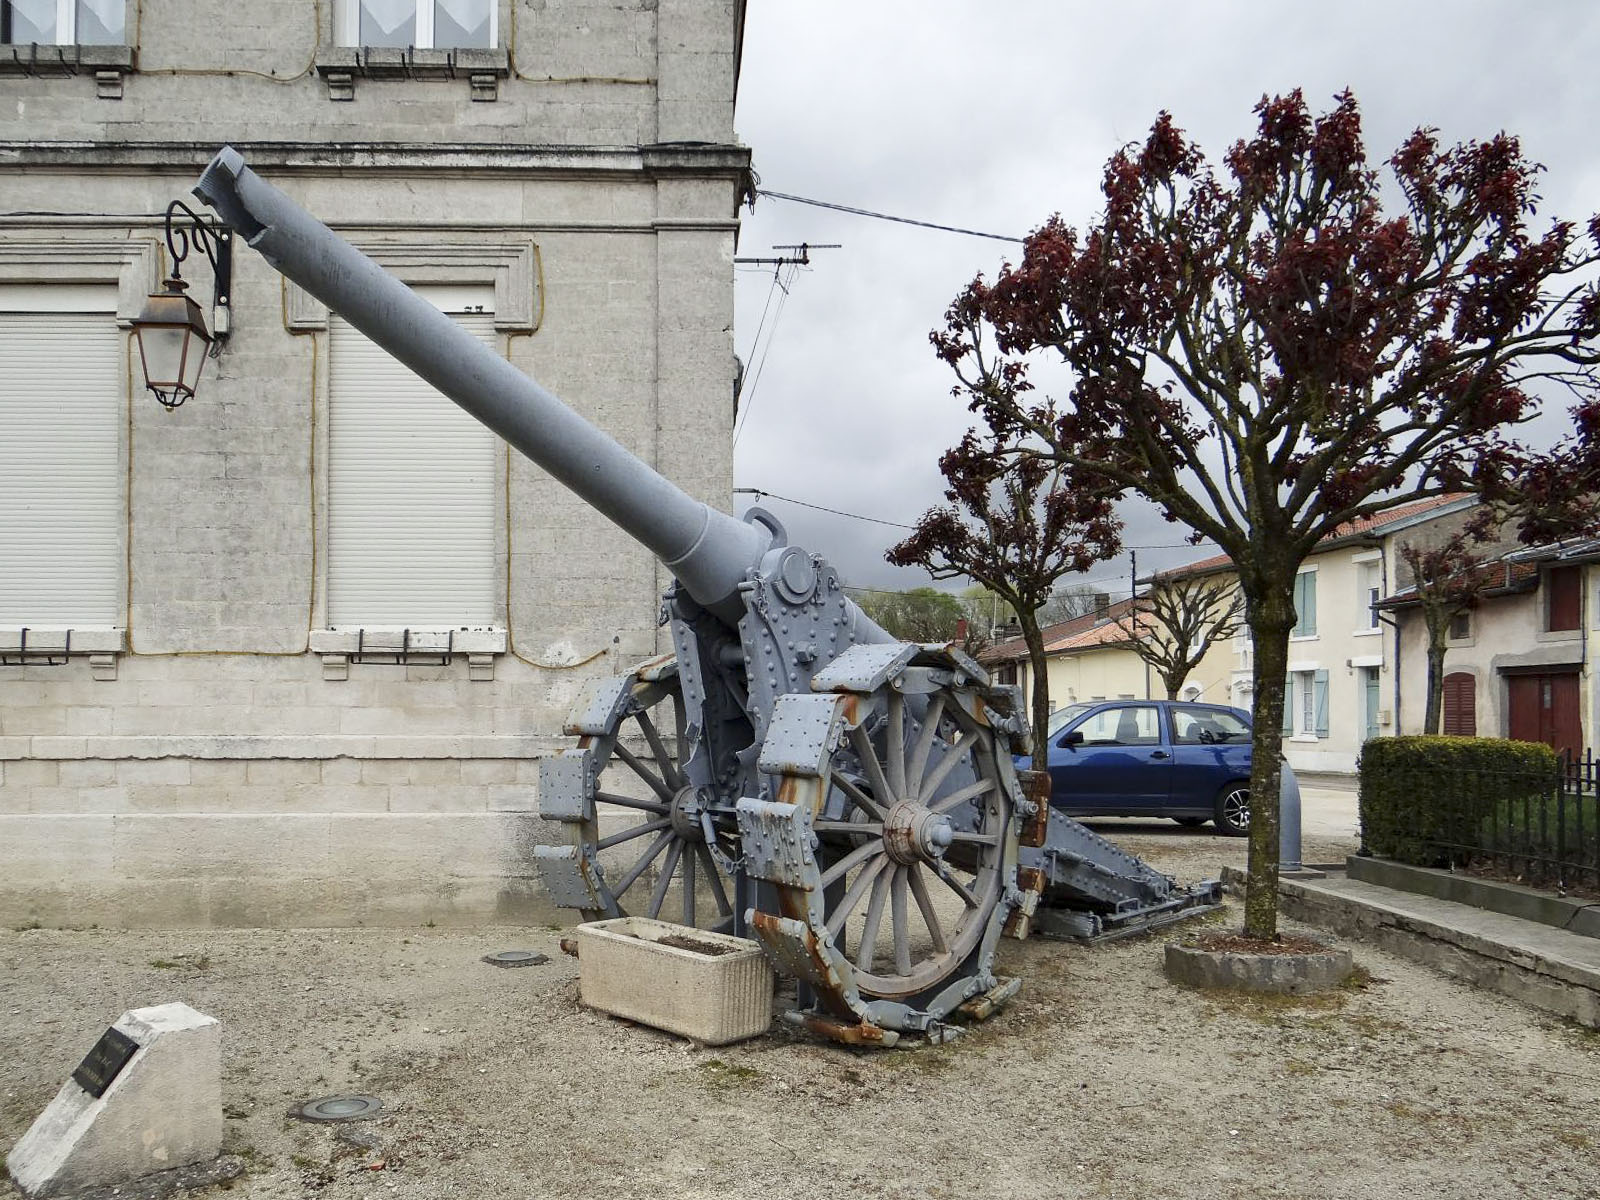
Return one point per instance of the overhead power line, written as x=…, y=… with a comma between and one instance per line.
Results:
x=838, y=512
x=878, y=216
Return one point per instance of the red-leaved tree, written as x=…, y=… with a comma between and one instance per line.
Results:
x=1017, y=525
x=1269, y=351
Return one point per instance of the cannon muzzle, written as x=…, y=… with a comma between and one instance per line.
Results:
x=709, y=552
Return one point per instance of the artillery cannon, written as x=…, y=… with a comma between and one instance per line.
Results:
x=834, y=780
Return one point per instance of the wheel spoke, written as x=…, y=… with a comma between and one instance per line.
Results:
x=859, y=855
x=919, y=889
x=961, y=796
x=657, y=786
x=664, y=764
x=627, y=835
x=958, y=887
x=900, y=921
x=976, y=839
x=857, y=797
x=868, y=755
x=956, y=754
x=649, y=806
x=851, y=898
x=894, y=746
x=919, y=756
x=875, y=828
x=688, y=889
x=659, y=895
x=869, y=931
x=714, y=879
x=645, y=860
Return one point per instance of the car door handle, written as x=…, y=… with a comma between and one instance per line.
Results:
x=1159, y=754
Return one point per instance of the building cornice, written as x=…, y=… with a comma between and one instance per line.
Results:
x=322, y=158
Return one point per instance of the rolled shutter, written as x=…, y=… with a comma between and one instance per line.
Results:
x=412, y=508
x=61, y=508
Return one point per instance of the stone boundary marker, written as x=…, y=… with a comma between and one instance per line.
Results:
x=147, y=1098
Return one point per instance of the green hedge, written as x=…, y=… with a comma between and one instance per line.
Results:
x=1428, y=800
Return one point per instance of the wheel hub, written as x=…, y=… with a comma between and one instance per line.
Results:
x=687, y=806
x=913, y=834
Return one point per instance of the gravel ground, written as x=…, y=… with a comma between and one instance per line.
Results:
x=1100, y=1079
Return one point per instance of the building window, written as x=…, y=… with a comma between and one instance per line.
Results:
x=412, y=512
x=1305, y=605
x=64, y=22
x=420, y=24
x=1564, y=588
x=1460, y=627
x=1305, y=704
x=1370, y=591
x=61, y=466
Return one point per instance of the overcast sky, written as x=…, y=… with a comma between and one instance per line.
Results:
x=991, y=116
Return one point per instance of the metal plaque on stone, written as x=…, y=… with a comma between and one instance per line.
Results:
x=104, y=1062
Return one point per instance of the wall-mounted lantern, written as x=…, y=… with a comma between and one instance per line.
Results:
x=171, y=331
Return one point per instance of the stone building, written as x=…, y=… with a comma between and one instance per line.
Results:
x=289, y=653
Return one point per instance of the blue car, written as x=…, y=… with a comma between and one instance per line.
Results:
x=1152, y=758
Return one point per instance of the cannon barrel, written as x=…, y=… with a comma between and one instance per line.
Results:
x=708, y=551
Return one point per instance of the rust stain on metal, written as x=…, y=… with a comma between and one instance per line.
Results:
x=859, y=1034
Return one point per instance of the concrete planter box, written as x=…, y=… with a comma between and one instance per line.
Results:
x=624, y=969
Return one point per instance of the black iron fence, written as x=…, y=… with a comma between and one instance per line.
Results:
x=1541, y=827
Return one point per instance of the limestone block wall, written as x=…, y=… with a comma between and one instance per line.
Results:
x=222, y=765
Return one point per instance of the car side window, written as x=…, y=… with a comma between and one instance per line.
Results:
x=1125, y=725
x=1208, y=726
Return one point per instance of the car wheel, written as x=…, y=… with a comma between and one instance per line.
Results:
x=1233, y=809
x=1190, y=822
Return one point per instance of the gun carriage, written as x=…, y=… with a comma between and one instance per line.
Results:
x=790, y=771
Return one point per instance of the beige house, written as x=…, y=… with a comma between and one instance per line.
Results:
x=1519, y=663
x=1344, y=682
x=290, y=653
x=1088, y=659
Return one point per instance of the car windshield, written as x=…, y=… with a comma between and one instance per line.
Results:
x=1062, y=717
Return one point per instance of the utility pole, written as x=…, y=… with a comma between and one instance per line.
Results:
x=1133, y=606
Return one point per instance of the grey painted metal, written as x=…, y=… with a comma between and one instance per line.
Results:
x=784, y=743
x=1289, y=821
x=708, y=551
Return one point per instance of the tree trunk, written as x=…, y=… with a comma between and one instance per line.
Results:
x=1173, y=682
x=1433, y=717
x=1041, y=690
x=1271, y=618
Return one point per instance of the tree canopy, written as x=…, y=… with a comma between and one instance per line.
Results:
x=1272, y=350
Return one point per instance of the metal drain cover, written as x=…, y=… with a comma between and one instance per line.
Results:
x=516, y=958
x=340, y=1108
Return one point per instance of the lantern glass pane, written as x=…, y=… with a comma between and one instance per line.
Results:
x=161, y=348
x=194, y=358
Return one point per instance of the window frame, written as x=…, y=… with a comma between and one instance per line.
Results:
x=66, y=25
x=348, y=25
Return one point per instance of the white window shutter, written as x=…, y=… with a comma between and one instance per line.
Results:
x=61, y=509
x=412, y=505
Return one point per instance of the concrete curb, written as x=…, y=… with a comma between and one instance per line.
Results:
x=1547, y=968
x=1559, y=912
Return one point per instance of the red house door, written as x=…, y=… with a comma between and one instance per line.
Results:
x=1544, y=708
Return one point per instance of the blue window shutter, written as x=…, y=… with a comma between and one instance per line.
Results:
x=1288, y=705
x=1320, y=702
x=1305, y=604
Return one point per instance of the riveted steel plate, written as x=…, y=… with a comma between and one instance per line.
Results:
x=566, y=877
x=777, y=844
x=566, y=785
x=803, y=733
x=597, y=705
x=864, y=668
